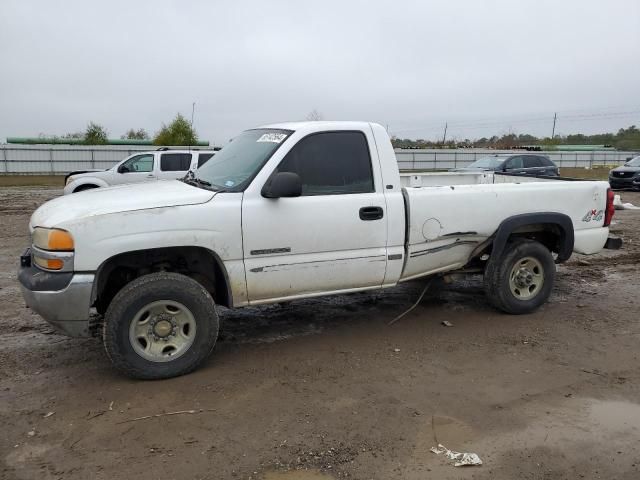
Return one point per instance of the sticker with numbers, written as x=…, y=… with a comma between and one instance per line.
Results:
x=272, y=137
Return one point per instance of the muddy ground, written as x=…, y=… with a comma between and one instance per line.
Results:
x=325, y=388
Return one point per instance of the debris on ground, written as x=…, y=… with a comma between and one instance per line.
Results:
x=426, y=287
x=618, y=205
x=462, y=459
x=180, y=412
x=447, y=323
x=48, y=415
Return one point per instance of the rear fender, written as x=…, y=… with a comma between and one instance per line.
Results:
x=518, y=223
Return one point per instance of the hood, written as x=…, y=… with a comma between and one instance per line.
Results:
x=77, y=173
x=626, y=169
x=123, y=198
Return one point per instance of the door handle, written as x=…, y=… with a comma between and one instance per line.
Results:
x=371, y=213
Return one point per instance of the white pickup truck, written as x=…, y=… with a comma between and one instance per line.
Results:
x=162, y=164
x=284, y=212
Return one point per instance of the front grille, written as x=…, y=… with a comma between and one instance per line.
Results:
x=622, y=174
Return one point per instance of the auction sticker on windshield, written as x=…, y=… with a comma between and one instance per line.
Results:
x=272, y=137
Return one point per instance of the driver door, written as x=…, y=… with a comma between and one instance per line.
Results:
x=514, y=165
x=331, y=238
x=139, y=168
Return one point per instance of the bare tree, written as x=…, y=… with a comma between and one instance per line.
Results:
x=314, y=116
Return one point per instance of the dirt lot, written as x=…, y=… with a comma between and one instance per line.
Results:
x=324, y=389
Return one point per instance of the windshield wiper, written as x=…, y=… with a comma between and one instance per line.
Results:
x=199, y=181
x=191, y=179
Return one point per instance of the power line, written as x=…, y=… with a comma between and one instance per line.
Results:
x=523, y=121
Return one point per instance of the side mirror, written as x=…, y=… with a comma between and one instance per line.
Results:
x=283, y=184
x=123, y=169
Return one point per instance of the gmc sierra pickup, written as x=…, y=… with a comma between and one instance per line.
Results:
x=284, y=212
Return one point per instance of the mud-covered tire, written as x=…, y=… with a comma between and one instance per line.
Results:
x=155, y=289
x=505, y=278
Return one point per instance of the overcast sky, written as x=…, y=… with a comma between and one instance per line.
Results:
x=486, y=67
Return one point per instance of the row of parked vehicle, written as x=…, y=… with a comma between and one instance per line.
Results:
x=626, y=176
x=173, y=164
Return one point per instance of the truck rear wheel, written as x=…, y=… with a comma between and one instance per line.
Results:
x=160, y=325
x=522, y=279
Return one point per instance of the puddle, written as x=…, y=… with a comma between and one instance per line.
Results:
x=451, y=432
x=297, y=475
x=617, y=416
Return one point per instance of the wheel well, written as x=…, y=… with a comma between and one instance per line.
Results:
x=554, y=236
x=198, y=263
x=548, y=234
x=86, y=186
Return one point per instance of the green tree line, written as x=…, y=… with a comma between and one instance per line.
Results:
x=624, y=139
x=178, y=132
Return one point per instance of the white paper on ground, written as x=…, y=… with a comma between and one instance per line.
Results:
x=618, y=205
x=462, y=459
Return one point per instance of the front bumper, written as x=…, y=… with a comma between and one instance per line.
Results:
x=631, y=182
x=62, y=299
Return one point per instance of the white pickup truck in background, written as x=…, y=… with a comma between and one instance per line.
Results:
x=284, y=212
x=162, y=164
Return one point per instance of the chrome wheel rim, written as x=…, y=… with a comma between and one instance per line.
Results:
x=162, y=331
x=526, y=278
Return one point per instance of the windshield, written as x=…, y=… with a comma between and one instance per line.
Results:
x=634, y=162
x=233, y=167
x=486, y=162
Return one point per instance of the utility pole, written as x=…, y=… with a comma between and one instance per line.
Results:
x=444, y=137
x=193, y=111
x=553, y=132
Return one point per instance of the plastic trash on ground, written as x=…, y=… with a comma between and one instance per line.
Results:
x=618, y=205
x=461, y=459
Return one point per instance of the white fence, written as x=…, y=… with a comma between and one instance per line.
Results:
x=62, y=159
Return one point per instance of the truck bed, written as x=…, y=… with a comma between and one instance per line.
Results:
x=437, y=208
x=437, y=179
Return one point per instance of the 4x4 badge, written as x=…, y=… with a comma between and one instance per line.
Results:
x=595, y=215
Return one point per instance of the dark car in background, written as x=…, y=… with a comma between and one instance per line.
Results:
x=524, y=164
x=626, y=176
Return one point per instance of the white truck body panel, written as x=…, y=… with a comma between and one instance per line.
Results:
x=436, y=242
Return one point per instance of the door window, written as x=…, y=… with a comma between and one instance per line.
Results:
x=139, y=163
x=514, y=163
x=331, y=163
x=532, y=162
x=175, y=162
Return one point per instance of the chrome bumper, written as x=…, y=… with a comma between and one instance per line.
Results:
x=64, y=302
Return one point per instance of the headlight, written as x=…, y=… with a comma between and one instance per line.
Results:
x=69, y=180
x=52, y=239
x=52, y=249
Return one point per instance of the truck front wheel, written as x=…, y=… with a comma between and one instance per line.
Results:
x=522, y=279
x=160, y=325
